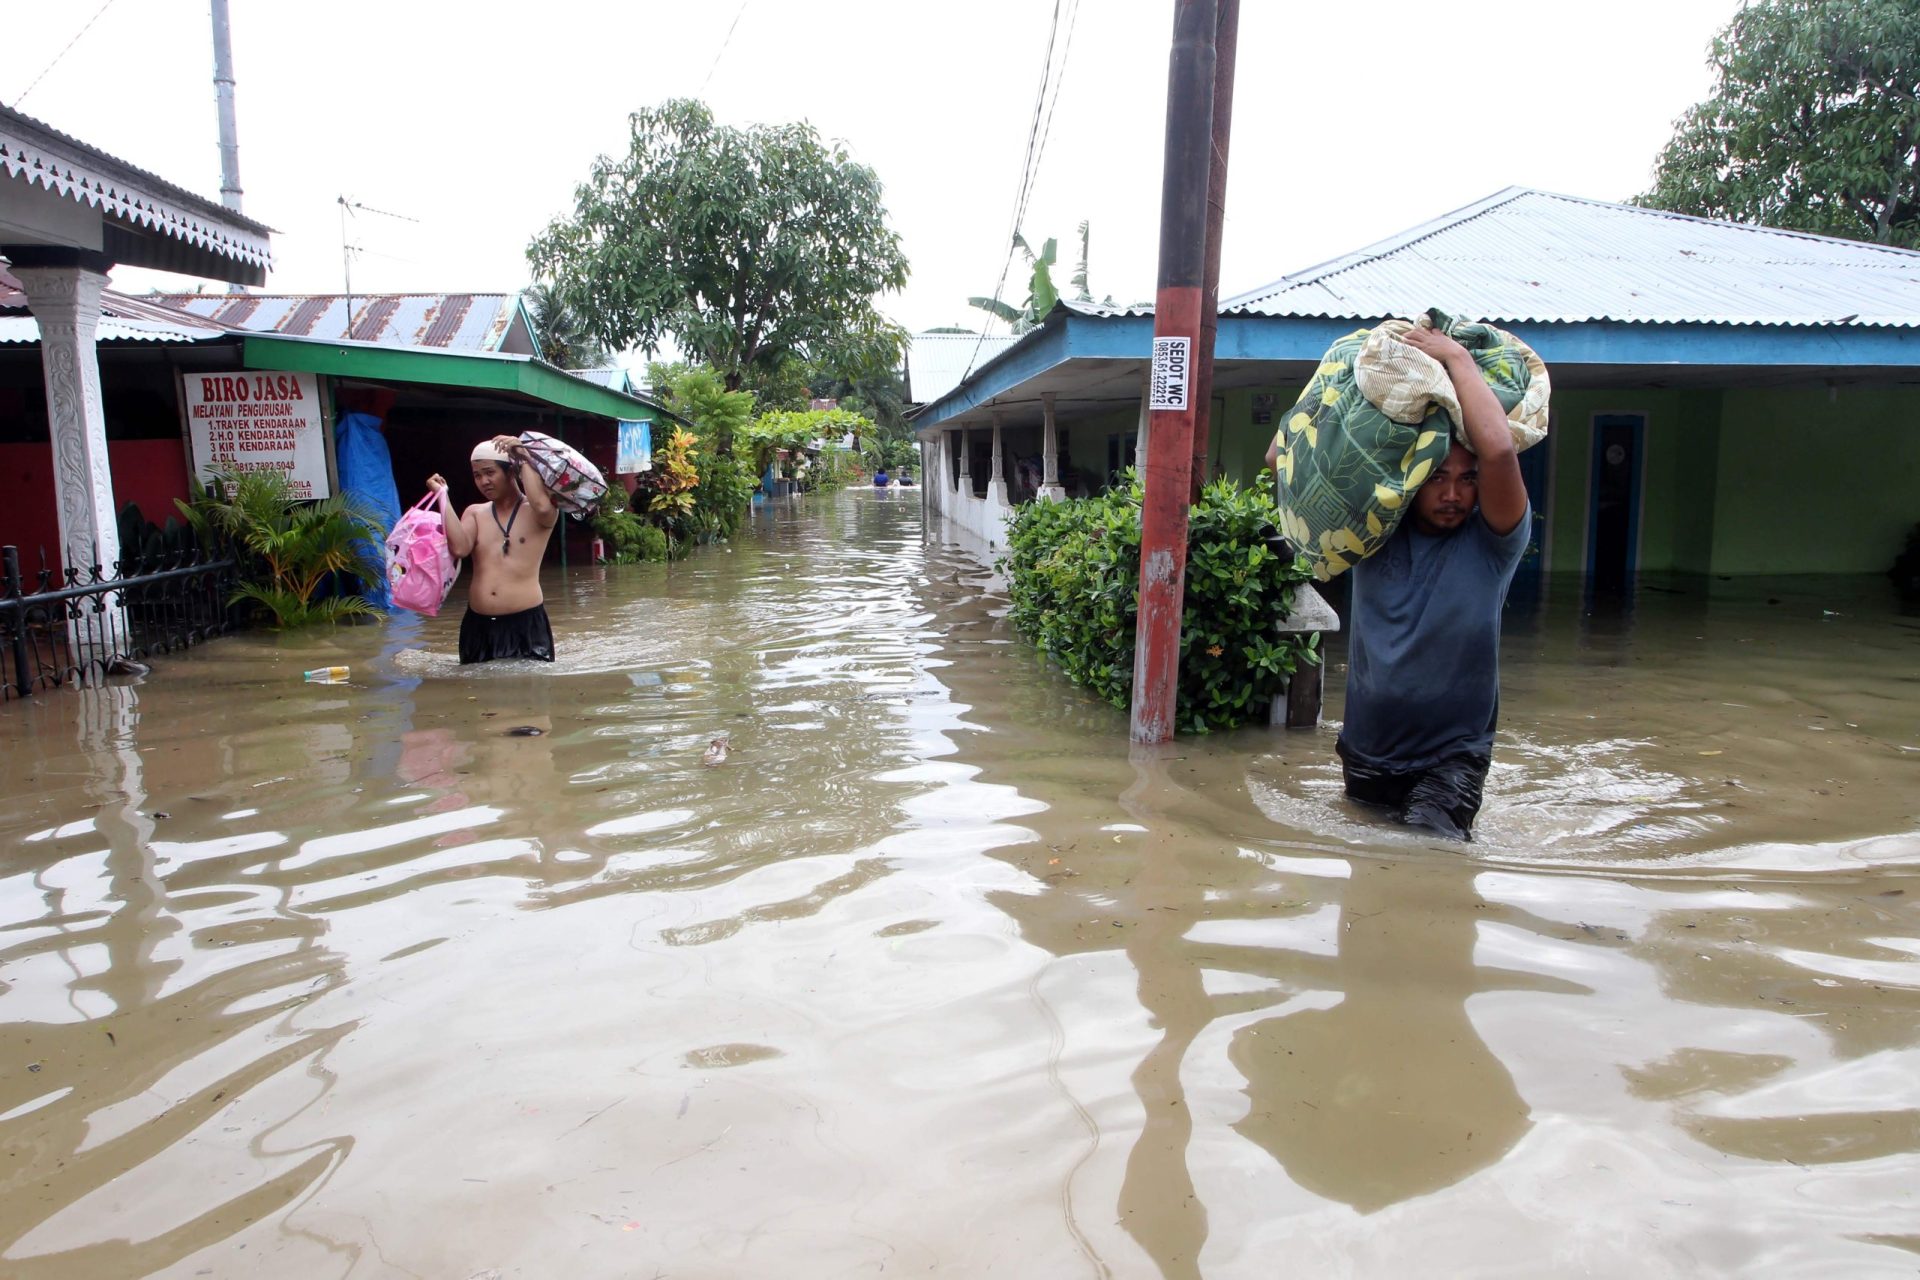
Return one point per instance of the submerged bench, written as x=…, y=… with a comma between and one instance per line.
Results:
x=1299, y=706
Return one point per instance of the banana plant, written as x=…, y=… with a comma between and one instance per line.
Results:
x=1041, y=292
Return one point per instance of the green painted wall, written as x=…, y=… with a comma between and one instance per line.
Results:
x=1678, y=463
x=1735, y=481
x=1242, y=446
x=1812, y=481
x=1696, y=480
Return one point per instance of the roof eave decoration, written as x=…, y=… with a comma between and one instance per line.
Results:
x=43, y=156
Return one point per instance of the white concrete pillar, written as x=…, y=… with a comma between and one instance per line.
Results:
x=1050, y=488
x=1146, y=421
x=966, y=463
x=997, y=473
x=65, y=302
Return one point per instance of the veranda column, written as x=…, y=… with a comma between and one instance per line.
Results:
x=997, y=478
x=65, y=301
x=1146, y=422
x=1050, y=488
x=965, y=482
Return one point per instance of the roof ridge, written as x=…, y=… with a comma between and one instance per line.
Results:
x=1380, y=248
x=1730, y=224
x=1323, y=271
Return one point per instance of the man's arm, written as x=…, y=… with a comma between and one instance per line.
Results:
x=1273, y=454
x=1503, y=492
x=539, y=500
x=460, y=535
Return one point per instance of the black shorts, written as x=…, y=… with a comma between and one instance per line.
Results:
x=1443, y=798
x=486, y=636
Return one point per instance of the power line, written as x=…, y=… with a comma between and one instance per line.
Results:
x=1066, y=50
x=63, y=53
x=723, y=46
x=1036, y=143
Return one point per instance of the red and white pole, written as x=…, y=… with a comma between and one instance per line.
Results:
x=1171, y=402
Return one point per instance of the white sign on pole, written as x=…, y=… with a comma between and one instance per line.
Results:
x=1172, y=369
x=241, y=422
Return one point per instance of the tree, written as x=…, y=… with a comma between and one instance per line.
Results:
x=749, y=247
x=559, y=332
x=1812, y=126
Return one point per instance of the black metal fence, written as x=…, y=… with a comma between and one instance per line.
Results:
x=83, y=625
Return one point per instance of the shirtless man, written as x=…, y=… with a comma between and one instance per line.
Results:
x=507, y=536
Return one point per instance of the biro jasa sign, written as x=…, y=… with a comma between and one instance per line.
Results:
x=241, y=422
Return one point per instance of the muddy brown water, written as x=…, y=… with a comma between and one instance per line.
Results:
x=932, y=974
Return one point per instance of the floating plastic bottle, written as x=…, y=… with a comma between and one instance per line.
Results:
x=327, y=675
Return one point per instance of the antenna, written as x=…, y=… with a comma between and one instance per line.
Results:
x=223, y=95
x=347, y=249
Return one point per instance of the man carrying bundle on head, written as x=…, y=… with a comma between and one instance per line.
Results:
x=1400, y=463
x=506, y=536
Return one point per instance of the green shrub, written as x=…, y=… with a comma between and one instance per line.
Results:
x=834, y=468
x=653, y=546
x=1073, y=573
x=291, y=550
x=616, y=526
x=721, y=498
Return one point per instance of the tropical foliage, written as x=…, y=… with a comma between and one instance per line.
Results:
x=750, y=247
x=628, y=539
x=700, y=395
x=1074, y=581
x=721, y=495
x=665, y=494
x=1812, y=126
x=289, y=549
x=1041, y=292
x=562, y=336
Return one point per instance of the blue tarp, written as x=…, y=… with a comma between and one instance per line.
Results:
x=366, y=472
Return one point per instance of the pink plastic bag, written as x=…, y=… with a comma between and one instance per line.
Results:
x=420, y=565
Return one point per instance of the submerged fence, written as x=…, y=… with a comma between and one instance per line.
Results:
x=80, y=626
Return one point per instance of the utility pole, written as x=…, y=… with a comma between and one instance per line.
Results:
x=223, y=94
x=1178, y=309
x=1225, y=47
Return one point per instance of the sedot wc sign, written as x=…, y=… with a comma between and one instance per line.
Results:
x=258, y=421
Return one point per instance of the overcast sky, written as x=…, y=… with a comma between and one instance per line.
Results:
x=475, y=120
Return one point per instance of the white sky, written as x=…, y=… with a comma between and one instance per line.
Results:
x=476, y=119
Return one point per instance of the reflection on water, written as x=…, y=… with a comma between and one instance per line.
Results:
x=454, y=972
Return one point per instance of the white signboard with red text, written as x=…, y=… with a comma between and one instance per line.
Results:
x=240, y=422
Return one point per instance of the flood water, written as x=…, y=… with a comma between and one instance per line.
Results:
x=929, y=973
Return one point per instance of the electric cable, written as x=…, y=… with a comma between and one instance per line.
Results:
x=1029, y=165
x=63, y=53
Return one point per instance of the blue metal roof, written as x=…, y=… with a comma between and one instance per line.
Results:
x=1522, y=256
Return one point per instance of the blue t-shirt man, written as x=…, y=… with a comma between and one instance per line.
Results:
x=1423, y=669
x=1423, y=663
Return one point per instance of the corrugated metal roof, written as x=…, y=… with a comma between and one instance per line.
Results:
x=1526, y=256
x=936, y=362
x=40, y=154
x=612, y=379
x=25, y=329
x=448, y=322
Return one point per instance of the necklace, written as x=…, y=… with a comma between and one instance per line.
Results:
x=506, y=530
